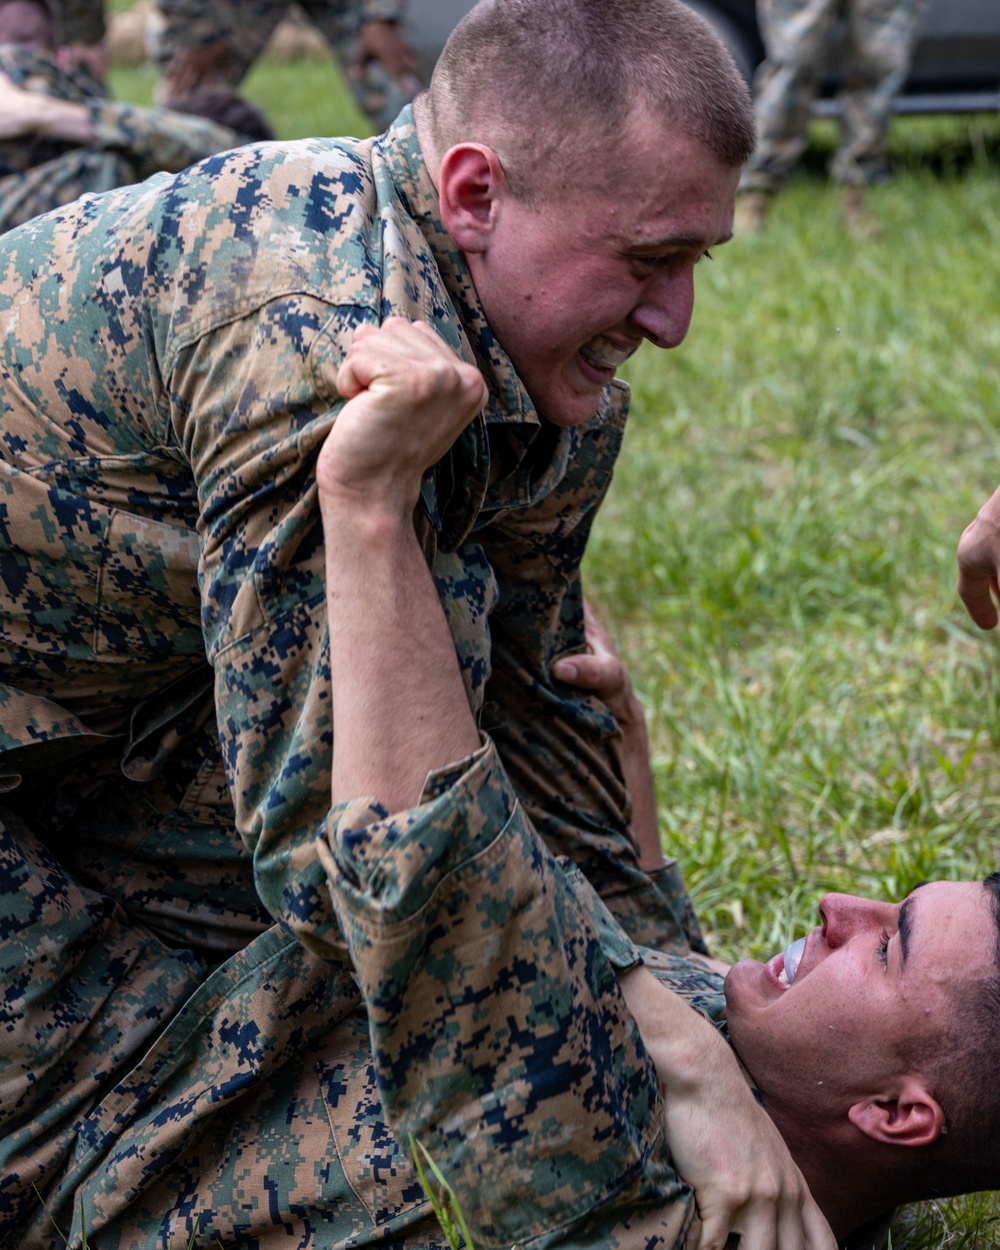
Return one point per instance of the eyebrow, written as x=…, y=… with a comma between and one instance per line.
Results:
x=687, y=242
x=905, y=929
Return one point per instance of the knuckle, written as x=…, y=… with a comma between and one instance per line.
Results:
x=740, y=1193
x=770, y=1189
x=425, y=383
x=472, y=384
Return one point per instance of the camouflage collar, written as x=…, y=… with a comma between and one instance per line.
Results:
x=508, y=401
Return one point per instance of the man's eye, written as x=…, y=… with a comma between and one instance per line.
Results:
x=882, y=950
x=655, y=262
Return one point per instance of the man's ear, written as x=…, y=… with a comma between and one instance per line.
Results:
x=907, y=1116
x=471, y=183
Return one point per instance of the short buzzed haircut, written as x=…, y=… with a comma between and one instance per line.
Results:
x=964, y=1071
x=546, y=83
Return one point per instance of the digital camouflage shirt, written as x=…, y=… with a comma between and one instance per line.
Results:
x=169, y=359
x=130, y=143
x=168, y=372
x=500, y=1037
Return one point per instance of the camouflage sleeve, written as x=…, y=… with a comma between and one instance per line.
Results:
x=157, y=139
x=251, y=403
x=500, y=1037
x=560, y=745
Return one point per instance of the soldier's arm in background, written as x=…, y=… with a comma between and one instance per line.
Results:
x=381, y=39
x=198, y=43
x=367, y=40
x=151, y=139
x=979, y=564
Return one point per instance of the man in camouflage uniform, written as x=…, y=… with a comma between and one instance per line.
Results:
x=61, y=137
x=499, y=992
x=172, y=364
x=798, y=40
x=198, y=41
x=858, y=1055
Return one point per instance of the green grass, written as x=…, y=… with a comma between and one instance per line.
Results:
x=777, y=559
x=776, y=556
x=777, y=553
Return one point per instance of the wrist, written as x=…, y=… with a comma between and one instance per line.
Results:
x=367, y=519
x=60, y=119
x=631, y=719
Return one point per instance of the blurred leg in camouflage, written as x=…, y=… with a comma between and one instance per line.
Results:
x=799, y=41
x=796, y=35
x=217, y=42
x=880, y=36
x=84, y=992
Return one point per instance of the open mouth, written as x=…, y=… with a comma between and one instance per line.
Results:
x=790, y=961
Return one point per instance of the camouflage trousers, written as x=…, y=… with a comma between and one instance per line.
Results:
x=798, y=35
x=172, y=1064
x=153, y=1103
x=247, y=25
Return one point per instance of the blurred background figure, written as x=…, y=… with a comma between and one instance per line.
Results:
x=61, y=137
x=798, y=38
x=214, y=42
x=83, y=29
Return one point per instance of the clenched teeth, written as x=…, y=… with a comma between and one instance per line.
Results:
x=600, y=352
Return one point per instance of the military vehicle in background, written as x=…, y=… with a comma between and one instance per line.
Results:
x=956, y=63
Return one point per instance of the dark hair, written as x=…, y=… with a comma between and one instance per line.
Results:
x=535, y=79
x=225, y=106
x=964, y=1071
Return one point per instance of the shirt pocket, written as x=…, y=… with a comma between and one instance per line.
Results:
x=147, y=600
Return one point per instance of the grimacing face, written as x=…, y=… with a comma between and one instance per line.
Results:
x=572, y=284
x=873, y=980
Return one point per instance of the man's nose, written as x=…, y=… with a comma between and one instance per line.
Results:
x=664, y=312
x=845, y=915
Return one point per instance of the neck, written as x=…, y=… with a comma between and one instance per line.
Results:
x=422, y=124
x=850, y=1185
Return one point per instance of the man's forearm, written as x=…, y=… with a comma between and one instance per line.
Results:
x=49, y=118
x=400, y=707
x=399, y=703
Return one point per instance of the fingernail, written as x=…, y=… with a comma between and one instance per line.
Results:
x=566, y=670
